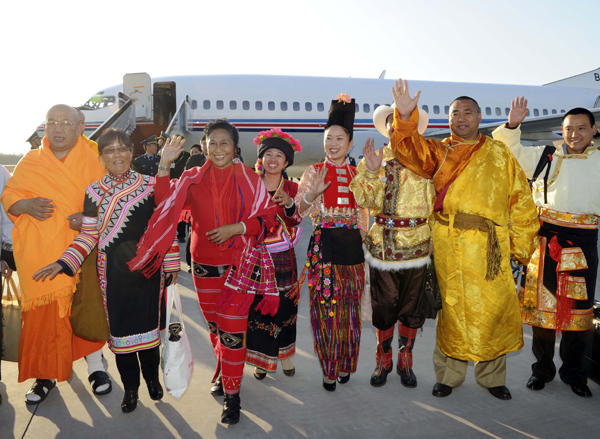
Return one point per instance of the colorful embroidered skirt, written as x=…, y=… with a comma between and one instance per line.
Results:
x=270, y=339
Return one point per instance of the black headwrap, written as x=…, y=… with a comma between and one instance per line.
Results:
x=277, y=143
x=342, y=114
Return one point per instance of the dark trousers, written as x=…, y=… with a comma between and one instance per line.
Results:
x=572, y=346
x=395, y=297
x=129, y=367
x=181, y=230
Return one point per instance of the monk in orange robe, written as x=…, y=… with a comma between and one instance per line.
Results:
x=44, y=198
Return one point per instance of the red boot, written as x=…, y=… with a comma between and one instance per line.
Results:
x=406, y=341
x=383, y=356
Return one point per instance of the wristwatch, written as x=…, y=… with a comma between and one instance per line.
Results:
x=163, y=168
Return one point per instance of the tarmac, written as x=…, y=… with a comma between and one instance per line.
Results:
x=298, y=407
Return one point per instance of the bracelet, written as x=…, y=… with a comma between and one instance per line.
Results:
x=306, y=201
x=163, y=168
x=291, y=204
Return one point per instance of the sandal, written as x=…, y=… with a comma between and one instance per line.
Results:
x=40, y=388
x=98, y=379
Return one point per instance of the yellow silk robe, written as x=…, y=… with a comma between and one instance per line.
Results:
x=480, y=320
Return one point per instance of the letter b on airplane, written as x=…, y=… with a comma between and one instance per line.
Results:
x=597, y=76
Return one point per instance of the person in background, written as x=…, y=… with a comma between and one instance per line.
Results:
x=132, y=301
x=147, y=164
x=396, y=248
x=335, y=268
x=561, y=276
x=44, y=198
x=81, y=118
x=273, y=338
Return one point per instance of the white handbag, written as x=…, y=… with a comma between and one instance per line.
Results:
x=177, y=360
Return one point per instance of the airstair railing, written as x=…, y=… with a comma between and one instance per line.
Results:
x=179, y=124
x=123, y=119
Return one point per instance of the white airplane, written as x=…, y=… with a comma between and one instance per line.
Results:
x=299, y=105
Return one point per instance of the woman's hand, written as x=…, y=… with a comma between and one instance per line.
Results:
x=49, y=271
x=283, y=199
x=320, y=186
x=6, y=271
x=172, y=150
x=75, y=221
x=223, y=233
x=372, y=159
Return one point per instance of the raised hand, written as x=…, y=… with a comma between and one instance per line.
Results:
x=320, y=186
x=172, y=150
x=404, y=103
x=518, y=111
x=49, y=271
x=372, y=159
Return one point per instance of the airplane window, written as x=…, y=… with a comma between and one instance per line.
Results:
x=357, y=107
x=308, y=106
x=446, y=109
x=536, y=112
x=320, y=106
x=271, y=106
x=246, y=105
x=498, y=111
x=375, y=107
x=232, y=105
x=436, y=109
x=553, y=111
x=425, y=108
x=506, y=111
x=562, y=111
x=206, y=105
x=283, y=106
x=488, y=111
x=296, y=106
x=98, y=101
x=258, y=105
x=219, y=105
x=194, y=104
x=545, y=112
x=366, y=108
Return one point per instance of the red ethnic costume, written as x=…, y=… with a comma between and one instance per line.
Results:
x=273, y=338
x=397, y=252
x=561, y=276
x=226, y=276
x=335, y=268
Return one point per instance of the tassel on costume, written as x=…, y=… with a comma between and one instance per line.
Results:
x=243, y=308
x=493, y=254
x=225, y=297
x=268, y=305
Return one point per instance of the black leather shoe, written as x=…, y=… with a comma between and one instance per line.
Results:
x=155, y=389
x=259, y=374
x=329, y=387
x=407, y=377
x=581, y=390
x=441, y=390
x=231, y=409
x=129, y=401
x=289, y=372
x=343, y=380
x=535, y=383
x=500, y=392
x=217, y=388
x=379, y=379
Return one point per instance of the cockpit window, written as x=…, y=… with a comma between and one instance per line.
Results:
x=99, y=101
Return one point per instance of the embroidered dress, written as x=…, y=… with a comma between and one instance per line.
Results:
x=274, y=338
x=335, y=268
x=116, y=213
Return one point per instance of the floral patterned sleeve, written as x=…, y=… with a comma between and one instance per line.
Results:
x=306, y=184
x=363, y=218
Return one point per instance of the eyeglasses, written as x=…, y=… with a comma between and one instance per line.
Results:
x=120, y=150
x=63, y=124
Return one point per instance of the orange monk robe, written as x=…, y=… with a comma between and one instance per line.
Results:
x=480, y=319
x=48, y=346
x=93, y=145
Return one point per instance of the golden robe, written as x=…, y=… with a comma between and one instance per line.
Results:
x=480, y=320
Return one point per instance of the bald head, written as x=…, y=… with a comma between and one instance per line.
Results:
x=62, y=129
x=81, y=120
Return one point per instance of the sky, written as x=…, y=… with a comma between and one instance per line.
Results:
x=65, y=51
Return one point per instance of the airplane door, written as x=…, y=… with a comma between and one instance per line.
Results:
x=138, y=86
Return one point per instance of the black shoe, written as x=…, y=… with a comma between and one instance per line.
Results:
x=289, y=372
x=329, y=387
x=98, y=379
x=129, y=401
x=407, y=377
x=259, y=374
x=378, y=379
x=441, y=390
x=40, y=388
x=535, y=383
x=500, y=392
x=581, y=389
x=343, y=380
x=217, y=388
x=155, y=389
x=231, y=409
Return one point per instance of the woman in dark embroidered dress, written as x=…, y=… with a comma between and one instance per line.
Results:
x=116, y=213
x=270, y=339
